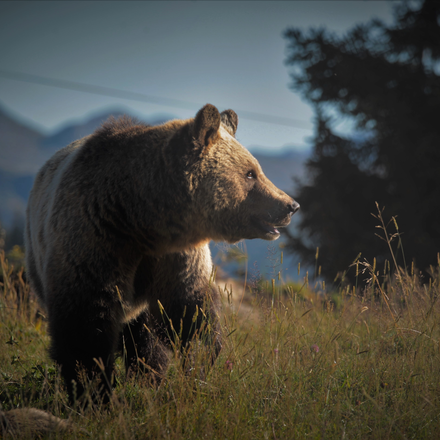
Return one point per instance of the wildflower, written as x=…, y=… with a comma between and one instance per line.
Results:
x=276, y=350
x=314, y=348
x=229, y=365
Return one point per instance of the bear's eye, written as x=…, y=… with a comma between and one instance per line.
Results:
x=250, y=175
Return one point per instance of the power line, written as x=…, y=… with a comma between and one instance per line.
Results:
x=135, y=96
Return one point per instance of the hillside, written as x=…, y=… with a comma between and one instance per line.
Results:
x=19, y=161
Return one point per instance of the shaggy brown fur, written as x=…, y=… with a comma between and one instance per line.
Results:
x=121, y=219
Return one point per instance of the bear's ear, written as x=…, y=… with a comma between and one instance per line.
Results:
x=206, y=126
x=230, y=121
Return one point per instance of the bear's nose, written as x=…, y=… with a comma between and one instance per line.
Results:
x=293, y=208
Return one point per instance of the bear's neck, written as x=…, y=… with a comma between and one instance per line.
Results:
x=164, y=215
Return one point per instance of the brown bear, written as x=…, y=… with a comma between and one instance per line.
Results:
x=117, y=233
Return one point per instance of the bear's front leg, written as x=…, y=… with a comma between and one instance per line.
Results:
x=185, y=305
x=191, y=323
x=143, y=350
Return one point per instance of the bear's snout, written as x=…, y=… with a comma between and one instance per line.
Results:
x=278, y=216
x=294, y=207
x=290, y=207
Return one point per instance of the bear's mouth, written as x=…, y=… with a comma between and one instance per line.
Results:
x=270, y=230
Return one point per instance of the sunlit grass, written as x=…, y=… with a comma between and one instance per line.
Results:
x=298, y=361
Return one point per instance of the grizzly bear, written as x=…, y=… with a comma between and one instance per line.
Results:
x=117, y=232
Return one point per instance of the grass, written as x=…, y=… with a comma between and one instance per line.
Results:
x=298, y=361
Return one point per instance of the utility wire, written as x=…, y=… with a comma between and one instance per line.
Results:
x=135, y=96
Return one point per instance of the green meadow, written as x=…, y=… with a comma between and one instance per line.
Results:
x=299, y=360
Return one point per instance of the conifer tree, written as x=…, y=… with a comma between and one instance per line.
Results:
x=385, y=80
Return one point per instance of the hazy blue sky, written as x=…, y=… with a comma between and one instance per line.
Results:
x=230, y=54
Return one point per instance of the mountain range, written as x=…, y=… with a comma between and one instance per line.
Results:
x=23, y=150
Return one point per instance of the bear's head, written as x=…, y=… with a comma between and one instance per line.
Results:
x=232, y=194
